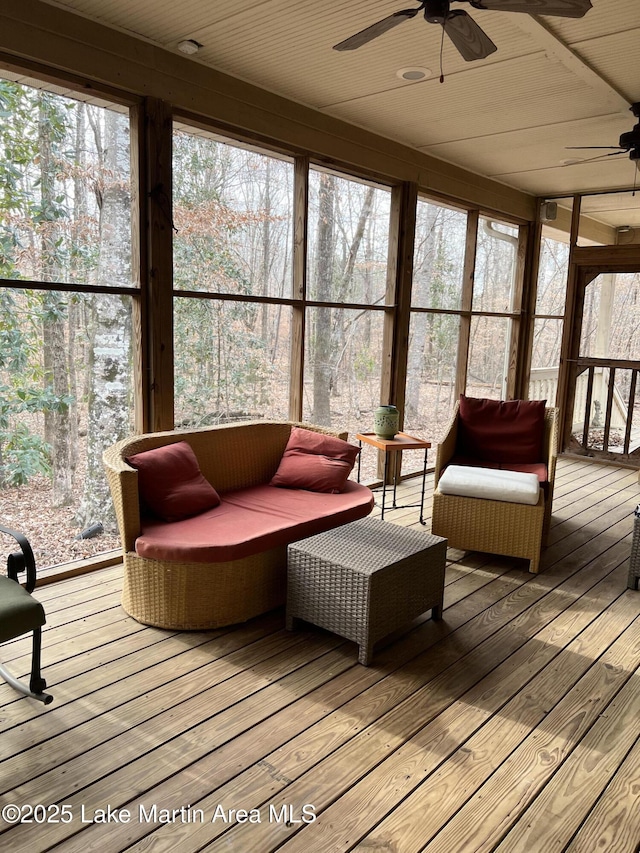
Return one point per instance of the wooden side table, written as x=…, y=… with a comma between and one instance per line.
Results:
x=402, y=441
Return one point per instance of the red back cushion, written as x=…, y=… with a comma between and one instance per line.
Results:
x=170, y=482
x=499, y=431
x=319, y=463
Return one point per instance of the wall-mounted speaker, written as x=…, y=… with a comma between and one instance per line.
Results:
x=548, y=211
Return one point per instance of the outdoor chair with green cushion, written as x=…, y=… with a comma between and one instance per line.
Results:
x=20, y=613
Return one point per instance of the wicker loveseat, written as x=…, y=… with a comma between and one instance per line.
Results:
x=174, y=586
x=496, y=526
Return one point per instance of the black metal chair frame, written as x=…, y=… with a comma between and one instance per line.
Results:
x=18, y=562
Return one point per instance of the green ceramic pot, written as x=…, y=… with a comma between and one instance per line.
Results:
x=386, y=420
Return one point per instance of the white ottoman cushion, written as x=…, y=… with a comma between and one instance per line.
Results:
x=491, y=484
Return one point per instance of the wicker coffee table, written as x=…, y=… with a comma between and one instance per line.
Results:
x=365, y=579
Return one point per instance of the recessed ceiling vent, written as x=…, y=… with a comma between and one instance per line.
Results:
x=414, y=73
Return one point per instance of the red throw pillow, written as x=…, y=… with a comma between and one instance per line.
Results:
x=316, y=462
x=170, y=482
x=498, y=431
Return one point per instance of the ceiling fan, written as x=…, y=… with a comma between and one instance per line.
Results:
x=468, y=37
x=629, y=143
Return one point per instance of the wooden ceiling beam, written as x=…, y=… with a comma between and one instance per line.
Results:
x=540, y=31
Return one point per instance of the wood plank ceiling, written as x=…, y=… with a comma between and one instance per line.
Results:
x=553, y=82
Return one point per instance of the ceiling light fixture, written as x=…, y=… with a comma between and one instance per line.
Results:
x=189, y=46
x=414, y=73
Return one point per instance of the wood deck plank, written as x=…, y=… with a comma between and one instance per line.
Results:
x=510, y=724
x=158, y=748
x=398, y=716
x=614, y=823
x=164, y=707
x=556, y=814
x=167, y=668
x=487, y=815
x=443, y=792
x=342, y=770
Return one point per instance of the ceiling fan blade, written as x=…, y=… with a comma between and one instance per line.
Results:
x=559, y=8
x=595, y=159
x=616, y=148
x=376, y=30
x=471, y=41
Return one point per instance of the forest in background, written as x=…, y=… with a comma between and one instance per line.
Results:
x=66, y=357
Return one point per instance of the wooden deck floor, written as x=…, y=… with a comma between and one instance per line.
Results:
x=512, y=725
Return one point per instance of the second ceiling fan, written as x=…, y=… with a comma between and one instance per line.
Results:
x=468, y=37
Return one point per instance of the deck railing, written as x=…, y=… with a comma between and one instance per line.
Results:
x=543, y=384
x=608, y=384
x=604, y=402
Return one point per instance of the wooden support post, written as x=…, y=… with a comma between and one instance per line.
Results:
x=516, y=381
x=530, y=244
x=156, y=185
x=571, y=329
x=630, y=407
x=404, y=200
x=298, y=319
x=139, y=273
x=471, y=242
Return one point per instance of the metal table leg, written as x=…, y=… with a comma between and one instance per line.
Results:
x=424, y=480
x=384, y=484
x=395, y=478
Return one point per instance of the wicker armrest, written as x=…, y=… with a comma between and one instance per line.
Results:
x=123, y=482
x=447, y=447
x=550, y=442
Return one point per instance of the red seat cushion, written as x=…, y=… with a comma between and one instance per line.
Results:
x=497, y=431
x=537, y=468
x=170, y=482
x=252, y=520
x=311, y=460
x=472, y=462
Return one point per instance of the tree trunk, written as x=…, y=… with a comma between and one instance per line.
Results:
x=80, y=213
x=322, y=326
x=110, y=354
x=419, y=321
x=266, y=254
x=345, y=289
x=56, y=414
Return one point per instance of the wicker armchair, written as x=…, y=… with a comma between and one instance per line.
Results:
x=493, y=526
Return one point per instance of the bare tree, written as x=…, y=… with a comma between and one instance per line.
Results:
x=110, y=335
x=324, y=279
x=56, y=417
